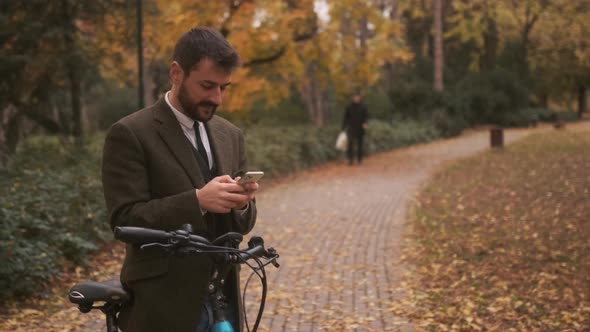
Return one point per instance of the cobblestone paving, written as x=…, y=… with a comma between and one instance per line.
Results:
x=339, y=229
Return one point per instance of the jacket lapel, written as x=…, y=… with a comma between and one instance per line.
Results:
x=171, y=132
x=218, y=139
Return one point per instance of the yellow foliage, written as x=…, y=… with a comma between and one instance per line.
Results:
x=327, y=53
x=243, y=88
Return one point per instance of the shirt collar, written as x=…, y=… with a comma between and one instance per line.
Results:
x=181, y=117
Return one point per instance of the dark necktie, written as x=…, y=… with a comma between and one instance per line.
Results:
x=200, y=146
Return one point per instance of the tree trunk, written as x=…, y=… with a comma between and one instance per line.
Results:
x=490, y=42
x=582, y=100
x=320, y=119
x=314, y=98
x=438, y=47
x=345, y=33
x=149, y=97
x=363, y=36
x=9, y=125
x=524, y=54
x=13, y=133
x=529, y=22
x=389, y=68
x=3, y=146
x=73, y=68
x=75, y=100
x=543, y=99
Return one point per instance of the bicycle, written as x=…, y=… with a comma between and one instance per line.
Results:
x=224, y=251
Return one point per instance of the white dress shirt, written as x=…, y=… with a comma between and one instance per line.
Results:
x=186, y=123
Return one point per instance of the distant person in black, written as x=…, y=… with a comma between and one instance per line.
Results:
x=355, y=123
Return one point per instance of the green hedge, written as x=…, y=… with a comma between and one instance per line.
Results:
x=382, y=136
x=489, y=98
x=52, y=208
x=51, y=211
x=282, y=150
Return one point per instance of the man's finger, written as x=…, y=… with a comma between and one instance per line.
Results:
x=251, y=186
x=225, y=179
x=223, y=207
x=236, y=198
x=233, y=188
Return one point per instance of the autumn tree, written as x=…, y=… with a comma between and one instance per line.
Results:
x=561, y=53
x=364, y=39
x=283, y=46
x=391, y=9
x=48, y=59
x=520, y=18
x=475, y=23
x=425, y=22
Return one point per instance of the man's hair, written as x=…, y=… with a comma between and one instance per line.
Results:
x=204, y=43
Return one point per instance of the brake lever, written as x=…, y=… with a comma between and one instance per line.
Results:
x=272, y=252
x=275, y=263
x=161, y=245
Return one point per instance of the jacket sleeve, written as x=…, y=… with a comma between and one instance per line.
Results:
x=246, y=219
x=127, y=193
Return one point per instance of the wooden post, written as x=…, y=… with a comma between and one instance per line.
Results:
x=497, y=137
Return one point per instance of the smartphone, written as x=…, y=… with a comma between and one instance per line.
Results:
x=249, y=177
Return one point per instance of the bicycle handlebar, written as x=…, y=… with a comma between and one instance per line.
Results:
x=185, y=242
x=139, y=235
x=144, y=236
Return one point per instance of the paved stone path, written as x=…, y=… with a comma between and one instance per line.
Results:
x=338, y=229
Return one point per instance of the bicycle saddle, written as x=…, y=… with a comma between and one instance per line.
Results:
x=88, y=292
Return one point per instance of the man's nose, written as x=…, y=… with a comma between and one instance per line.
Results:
x=216, y=95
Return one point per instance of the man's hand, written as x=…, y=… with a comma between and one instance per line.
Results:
x=223, y=193
x=250, y=190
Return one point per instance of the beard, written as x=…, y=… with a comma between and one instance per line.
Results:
x=199, y=111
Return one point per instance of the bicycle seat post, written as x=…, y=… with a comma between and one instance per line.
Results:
x=110, y=311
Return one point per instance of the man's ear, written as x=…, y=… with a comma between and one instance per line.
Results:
x=176, y=73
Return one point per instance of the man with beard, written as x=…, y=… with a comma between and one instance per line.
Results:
x=172, y=164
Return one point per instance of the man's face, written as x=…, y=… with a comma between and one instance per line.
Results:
x=356, y=99
x=202, y=90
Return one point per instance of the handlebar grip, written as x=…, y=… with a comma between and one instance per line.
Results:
x=139, y=235
x=257, y=251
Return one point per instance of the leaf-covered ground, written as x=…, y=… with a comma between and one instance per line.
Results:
x=51, y=310
x=327, y=288
x=501, y=242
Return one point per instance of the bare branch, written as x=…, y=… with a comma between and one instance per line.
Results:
x=268, y=59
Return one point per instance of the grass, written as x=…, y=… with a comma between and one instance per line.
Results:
x=501, y=241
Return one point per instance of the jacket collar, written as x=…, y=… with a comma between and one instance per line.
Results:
x=169, y=130
x=171, y=133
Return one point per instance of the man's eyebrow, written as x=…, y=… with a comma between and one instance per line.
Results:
x=215, y=83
